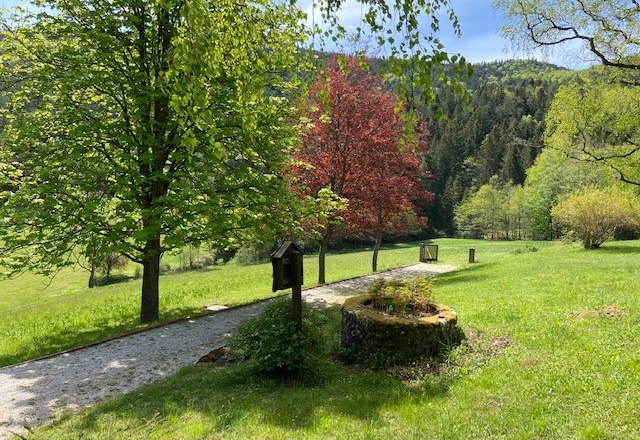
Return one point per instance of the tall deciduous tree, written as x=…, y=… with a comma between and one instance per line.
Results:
x=353, y=147
x=597, y=122
x=388, y=197
x=485, y=212
x=606, y=29
x=143, y=125
x=137, y=126
x=551, y=178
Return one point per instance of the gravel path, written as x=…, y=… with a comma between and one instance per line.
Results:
x=36, y=392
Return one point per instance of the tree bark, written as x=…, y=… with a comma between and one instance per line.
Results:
x=376, y=248
x=92, y=277
x=324, y=245
x=93, y=266
x=149, y=311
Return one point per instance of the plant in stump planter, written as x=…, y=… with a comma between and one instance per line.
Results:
x=398, y=319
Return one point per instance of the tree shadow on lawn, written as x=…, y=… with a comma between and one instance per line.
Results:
x=96, y=332
x=618, y=249
x=224, y=396
x=231, y=397
x=114, y=279
x=470, y=274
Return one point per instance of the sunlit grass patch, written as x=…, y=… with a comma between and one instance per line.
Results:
x=531, y=368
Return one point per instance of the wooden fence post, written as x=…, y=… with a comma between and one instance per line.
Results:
x=296, y=289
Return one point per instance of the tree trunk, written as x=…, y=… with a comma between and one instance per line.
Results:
x=150, y=281
x=376, y=248
x=92, y=277
x=324, y=244
x=519, y=228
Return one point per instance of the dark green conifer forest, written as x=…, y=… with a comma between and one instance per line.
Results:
x=498, y=133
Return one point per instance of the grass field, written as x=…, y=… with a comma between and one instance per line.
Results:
x=554, y=353
x=39, y=316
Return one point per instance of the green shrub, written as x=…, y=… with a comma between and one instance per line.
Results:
x=271, y=342
x=402, y=296
x=594, y=215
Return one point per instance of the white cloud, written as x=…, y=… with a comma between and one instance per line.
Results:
x=349, y=15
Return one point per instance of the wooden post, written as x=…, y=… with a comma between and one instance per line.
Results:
x=472, y=255
x=296, y=288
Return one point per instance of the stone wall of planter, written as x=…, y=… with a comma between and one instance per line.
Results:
x=366, y=331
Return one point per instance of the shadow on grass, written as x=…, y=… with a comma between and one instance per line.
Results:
x=114, y=279
x=470, y=274
x=231, y=398
x=228, y=398
x=618, y=249
x=69, y=338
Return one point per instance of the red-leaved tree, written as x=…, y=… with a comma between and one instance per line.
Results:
x=361, y=147
x=389, y=196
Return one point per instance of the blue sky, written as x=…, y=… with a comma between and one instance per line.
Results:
x=11, y=3
x=481, y=40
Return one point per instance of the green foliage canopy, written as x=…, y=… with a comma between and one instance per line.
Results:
x=484, y=212
x=597, y=117
x=552, y=176
x=599, y=122
x=140, y=126
x=607, y=29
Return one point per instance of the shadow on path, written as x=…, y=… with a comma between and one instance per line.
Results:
x=35, y=392
x=232, y=399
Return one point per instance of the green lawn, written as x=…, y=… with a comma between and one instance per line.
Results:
x=39, y=316
x=564, y=363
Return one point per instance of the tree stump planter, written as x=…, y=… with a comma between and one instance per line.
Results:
x=366, y=331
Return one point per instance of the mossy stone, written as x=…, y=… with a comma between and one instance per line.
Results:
x=366, y=331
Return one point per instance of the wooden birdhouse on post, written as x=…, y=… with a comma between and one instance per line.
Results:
x=287, y=273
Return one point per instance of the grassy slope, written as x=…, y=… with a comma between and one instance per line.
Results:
x=568, y=372
x=36, y=319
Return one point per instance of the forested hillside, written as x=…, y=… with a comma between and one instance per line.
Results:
x=498, y=134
